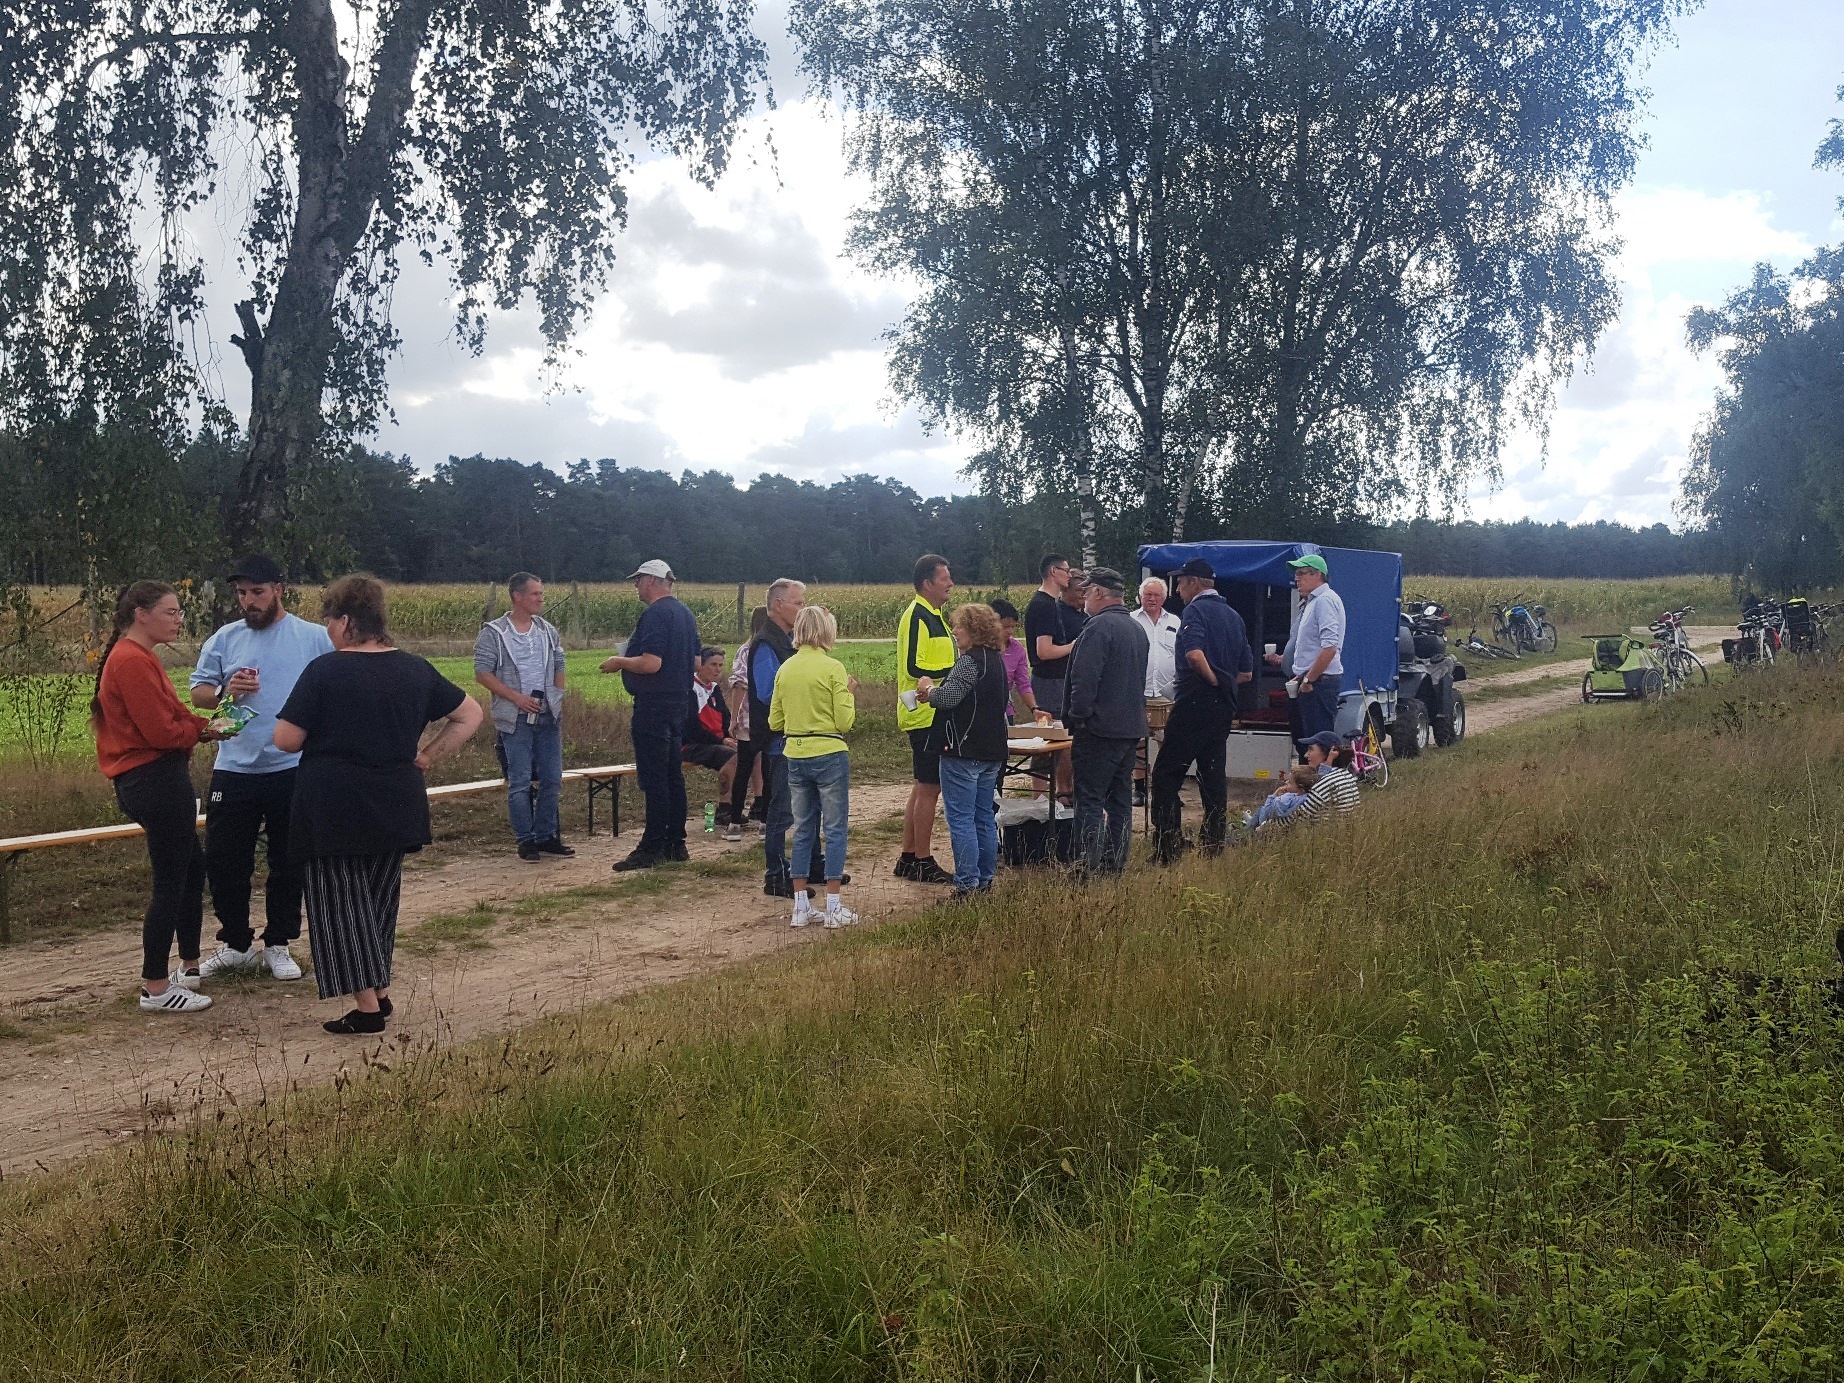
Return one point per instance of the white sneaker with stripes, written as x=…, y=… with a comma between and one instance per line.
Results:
x=177, y=999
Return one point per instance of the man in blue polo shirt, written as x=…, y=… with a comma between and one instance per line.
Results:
x=656, y=667
x=254, y=663
x=1213, y=659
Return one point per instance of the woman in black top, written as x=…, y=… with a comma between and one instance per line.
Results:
x=969, y=734
x=355, y=717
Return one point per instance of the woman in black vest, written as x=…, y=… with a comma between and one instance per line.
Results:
x=969, y=734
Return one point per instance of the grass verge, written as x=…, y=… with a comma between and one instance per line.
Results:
x=1476, y=1084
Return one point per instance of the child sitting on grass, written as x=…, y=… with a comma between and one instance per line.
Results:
x=1285, y=800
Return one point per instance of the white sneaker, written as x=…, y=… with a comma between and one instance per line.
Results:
x=185, y=978
x=840, y=916
x=801, y=918
x=733, y=832
x=227, y=959
x=281, y=965
x=177, y=999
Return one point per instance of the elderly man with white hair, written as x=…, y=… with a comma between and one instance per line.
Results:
x=1161, y=627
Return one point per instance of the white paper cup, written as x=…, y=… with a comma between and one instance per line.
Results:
x=908, y=699
x=1270, y=648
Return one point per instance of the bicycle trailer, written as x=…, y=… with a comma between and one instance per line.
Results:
x=1623, y=669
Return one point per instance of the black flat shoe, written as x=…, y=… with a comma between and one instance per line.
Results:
x=357, y=1022
x=635, y=861
x=555, y=846
x=384, y=1005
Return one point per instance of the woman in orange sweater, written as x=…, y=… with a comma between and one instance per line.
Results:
x=144, y=742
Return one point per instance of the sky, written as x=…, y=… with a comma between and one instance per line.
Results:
x=737, y=336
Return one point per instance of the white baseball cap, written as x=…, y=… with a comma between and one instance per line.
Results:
x=653, y=568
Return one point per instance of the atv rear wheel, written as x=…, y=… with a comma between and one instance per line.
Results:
x=1411, y=733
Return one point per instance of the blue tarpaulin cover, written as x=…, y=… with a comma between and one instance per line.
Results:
x=1369, y=583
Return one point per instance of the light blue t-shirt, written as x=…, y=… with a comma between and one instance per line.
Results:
x=278, y=654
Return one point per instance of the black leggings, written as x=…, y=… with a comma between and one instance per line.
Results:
x=158, y=798
x=746, y=751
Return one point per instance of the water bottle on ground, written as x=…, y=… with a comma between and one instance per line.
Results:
x=710, y=817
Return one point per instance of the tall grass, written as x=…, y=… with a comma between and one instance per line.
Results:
x=1464, y=1087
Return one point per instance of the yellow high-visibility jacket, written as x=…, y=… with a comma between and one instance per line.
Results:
x=925, y=647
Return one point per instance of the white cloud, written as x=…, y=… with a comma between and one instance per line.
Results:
x=1620, y=436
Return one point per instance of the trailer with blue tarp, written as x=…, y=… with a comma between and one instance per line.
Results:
x=1254, y=577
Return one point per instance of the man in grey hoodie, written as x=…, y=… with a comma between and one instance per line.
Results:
x=519, y=658
x=1107, y=715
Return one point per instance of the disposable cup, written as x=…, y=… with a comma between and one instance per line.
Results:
x=1270, y=648
x=908, y=699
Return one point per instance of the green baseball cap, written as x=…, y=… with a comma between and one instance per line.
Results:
x=1311, y=559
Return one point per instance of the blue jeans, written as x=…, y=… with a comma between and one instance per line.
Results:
x=819, y=791
x=1319, y=707
x=657, y=742
x=534, y=751
x=1278, y=808
x=968, y=787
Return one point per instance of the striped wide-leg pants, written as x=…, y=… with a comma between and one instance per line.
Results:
x=352, y=920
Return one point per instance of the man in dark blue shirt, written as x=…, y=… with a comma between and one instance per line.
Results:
x=1213, y=659
x=656, y=668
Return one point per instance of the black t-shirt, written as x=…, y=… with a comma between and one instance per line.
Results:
x=1043, y=614
x=670, y=630
x=1075, y=620
x=359, y=791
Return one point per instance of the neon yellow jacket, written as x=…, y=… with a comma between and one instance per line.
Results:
x=813, y=704
x=925, y=647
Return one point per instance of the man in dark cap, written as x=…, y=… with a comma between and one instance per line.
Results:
x=1213, y=659
x=1107, y=716
x=252, y=664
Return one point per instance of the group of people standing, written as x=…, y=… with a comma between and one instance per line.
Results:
x=326, y=753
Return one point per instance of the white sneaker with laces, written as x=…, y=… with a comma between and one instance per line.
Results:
x=281, y=965
x=800, y=919
x=185, y=978
x=177, y=999
x=840, y=916
x=227, y=959
x=733, y=832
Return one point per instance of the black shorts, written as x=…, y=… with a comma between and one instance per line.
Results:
x=926, y=762
x=711, y=756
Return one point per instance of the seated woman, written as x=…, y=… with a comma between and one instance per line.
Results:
x=1334, y=793
x=360, y=804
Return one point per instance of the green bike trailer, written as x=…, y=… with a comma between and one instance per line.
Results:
x=1623, y=669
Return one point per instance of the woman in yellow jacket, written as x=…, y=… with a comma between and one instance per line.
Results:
x=813, y=706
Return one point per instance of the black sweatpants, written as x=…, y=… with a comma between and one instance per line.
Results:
x=239, y=807
x=746, y=751
x=1197, y=732
x=158, y=798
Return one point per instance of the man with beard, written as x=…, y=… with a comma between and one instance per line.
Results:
x=253, y=663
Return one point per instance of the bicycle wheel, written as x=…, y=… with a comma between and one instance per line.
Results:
x=1548, y=640
x=1690, y=669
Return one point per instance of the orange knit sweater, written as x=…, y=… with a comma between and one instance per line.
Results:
x=142, y=716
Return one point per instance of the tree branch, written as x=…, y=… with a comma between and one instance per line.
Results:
x=251, y=342
x=136, y=42
x=393, y=88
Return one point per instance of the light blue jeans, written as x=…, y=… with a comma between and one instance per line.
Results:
x=534, y=751
x=819, y=791
x=1278, y=808
x=968, y=787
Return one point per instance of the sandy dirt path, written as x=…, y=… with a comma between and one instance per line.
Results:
x=93, y=1069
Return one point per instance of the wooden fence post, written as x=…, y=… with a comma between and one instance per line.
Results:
x=742, y=611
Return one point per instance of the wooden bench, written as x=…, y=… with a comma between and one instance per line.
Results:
x=605, y=779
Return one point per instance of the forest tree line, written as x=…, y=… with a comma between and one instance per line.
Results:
x=478, y=518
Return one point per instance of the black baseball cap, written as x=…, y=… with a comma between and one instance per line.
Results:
x=1107, y=579
x=1198, y=567
x=257, y=568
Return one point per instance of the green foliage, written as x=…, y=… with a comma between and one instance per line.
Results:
x=1311, y=259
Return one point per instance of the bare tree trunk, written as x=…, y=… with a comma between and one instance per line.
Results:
x=338, y=184
x=1075, y=402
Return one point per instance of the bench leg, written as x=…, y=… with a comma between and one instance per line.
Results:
x=614, y=810
x=7, y=866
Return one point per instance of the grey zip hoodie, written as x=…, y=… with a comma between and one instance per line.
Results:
x=493, y=654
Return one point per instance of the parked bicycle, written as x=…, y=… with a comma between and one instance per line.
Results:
x=1479, y=648
x=1671, y=648
x=1523, y=628
x=1761, y=631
